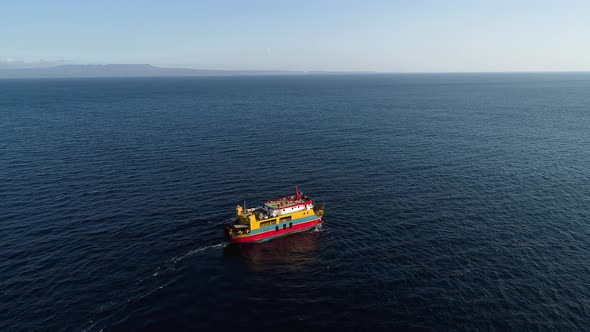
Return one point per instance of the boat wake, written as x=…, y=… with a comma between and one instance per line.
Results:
x=146, y=286
x=172, y=261
x=197, y=250
x=318, y=228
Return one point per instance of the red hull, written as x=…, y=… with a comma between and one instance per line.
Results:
x=273, y=234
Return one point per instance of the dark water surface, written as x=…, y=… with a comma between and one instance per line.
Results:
x=453, y=202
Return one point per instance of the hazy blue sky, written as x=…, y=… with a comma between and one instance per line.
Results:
x=421, y=35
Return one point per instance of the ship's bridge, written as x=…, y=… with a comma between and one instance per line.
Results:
x=289, y=204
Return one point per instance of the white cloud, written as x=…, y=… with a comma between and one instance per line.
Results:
x=9, y=60
x=12, y=63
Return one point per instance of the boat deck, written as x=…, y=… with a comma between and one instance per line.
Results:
x=285, y=202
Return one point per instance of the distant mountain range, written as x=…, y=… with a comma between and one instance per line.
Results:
x=137, y=70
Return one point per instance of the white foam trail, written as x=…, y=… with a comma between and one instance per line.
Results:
x=318, y=227
x=194, y=251
x=174, y=260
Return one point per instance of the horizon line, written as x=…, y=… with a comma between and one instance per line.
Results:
x=300, y=70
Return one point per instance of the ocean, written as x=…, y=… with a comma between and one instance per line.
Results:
x=453, y=202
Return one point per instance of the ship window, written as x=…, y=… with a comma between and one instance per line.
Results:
x=290, y=225
x=284, y=226
x=268, y=223
x=285, y=219
x=276, y=228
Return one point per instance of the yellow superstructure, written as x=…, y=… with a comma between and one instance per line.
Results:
x=248, y=218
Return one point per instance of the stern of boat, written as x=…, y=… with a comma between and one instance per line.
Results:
x=234, y=229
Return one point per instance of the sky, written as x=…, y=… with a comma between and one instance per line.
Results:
x=384, y=36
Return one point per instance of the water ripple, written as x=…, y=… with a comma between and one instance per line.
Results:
x=453, y=202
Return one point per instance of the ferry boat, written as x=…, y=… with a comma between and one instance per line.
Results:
x=277, y=217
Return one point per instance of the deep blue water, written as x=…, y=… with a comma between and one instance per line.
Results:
x=452, y=202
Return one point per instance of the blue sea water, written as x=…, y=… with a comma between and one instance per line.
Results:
x=453, y=201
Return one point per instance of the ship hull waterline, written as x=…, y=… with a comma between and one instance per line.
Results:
x=273, y=234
